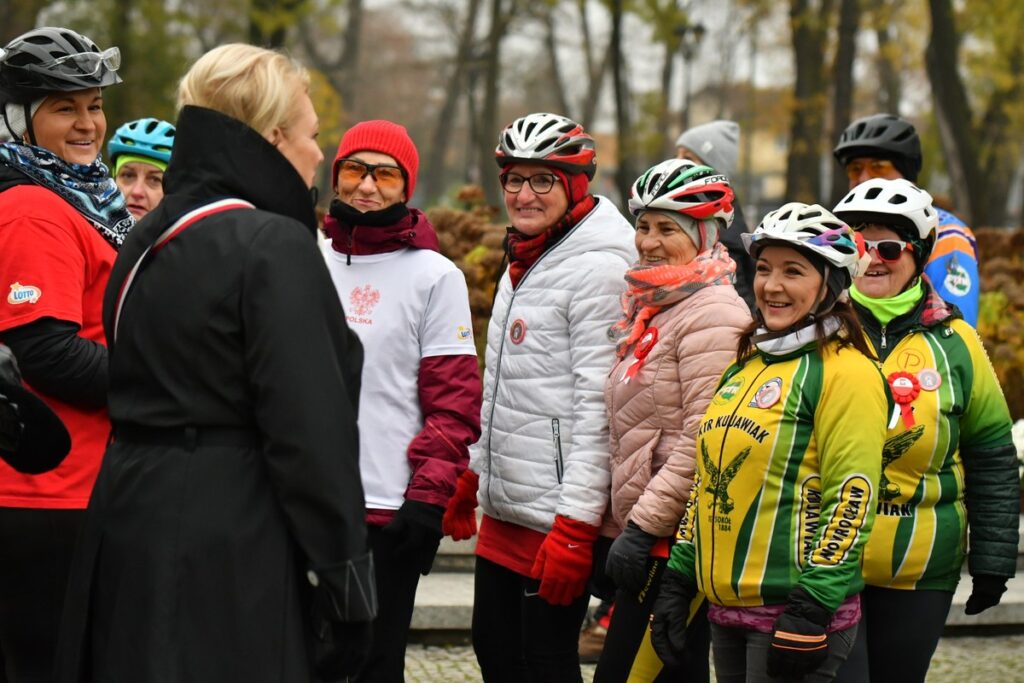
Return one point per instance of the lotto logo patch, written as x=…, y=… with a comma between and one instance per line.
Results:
x=23, y=294
x=463, y=333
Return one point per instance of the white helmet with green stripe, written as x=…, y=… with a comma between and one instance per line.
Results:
x=684, y=187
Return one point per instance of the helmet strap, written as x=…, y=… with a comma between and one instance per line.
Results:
x=28, y=124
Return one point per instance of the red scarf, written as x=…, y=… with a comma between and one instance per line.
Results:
x=524, y=250
x=351, y=233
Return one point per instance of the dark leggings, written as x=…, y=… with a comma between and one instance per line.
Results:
x=626, y=653
x=397, y=580
x=37, y=547
x=518, y=636
x=898, y=634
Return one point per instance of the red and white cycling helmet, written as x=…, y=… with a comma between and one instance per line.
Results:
x=548, y=139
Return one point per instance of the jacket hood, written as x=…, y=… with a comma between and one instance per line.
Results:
x=218, y=156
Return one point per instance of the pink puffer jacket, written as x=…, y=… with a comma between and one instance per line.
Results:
x=654, y=416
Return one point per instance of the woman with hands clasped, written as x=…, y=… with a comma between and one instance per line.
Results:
x=540, y=470
x=225, y=538
x=787, y=468
x=949, y=467
x=681, y=322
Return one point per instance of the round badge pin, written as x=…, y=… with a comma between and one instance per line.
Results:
x=768, y=395
x=929, y=379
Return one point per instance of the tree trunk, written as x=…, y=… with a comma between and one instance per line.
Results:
x=343, y=73
x=1000, y=146
x=487, y=129
x=667, y=148
x=434, y=177
x=117, y=106
x=596, y=72
x=348, y=85
x=551, y=47
x=269, y=21
x=842, y=77
x=19, y=17
x=953, y=114
x=803, y=179
x=624, y=173
x=890, y=89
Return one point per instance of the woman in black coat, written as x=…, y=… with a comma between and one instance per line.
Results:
x=225, y=539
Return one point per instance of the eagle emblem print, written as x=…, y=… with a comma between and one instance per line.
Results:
x=719, y=479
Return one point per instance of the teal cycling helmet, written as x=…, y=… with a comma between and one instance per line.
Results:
x=148, y=138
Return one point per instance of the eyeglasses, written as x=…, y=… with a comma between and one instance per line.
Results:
x=540, y=183
x=387, y=176
x=876, y=168
x=888, y=250
x=85, y=63
x=89, y=63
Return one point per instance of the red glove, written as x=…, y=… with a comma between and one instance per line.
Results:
x=460, y=518
x=564, y=560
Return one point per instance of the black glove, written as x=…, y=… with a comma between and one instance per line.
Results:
x=32, y=438
x=344, y=604
x=417, y=531
x=799, y=643
x=627, y=559
x=341, y=648
x=669, y=615
x=10, y=421
x=986, y=593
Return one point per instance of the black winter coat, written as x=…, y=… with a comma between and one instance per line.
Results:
x=193, y=563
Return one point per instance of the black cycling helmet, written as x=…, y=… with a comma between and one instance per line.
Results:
x=48, y=60
x=882, y=136
x=52, y=59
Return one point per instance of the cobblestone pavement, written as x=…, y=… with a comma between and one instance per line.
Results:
x=993, y=659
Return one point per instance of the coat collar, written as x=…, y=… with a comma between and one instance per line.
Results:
x=218, y=156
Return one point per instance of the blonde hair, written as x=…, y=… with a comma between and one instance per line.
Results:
x=252, y=84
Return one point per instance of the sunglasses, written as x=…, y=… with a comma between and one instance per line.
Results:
x=387, y=176
x=876, y=168
x=540, y=183
x=888, y=250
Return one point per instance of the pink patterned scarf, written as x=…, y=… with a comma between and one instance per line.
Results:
x=653, y=288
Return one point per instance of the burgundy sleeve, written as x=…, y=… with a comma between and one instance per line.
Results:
x=450, y=396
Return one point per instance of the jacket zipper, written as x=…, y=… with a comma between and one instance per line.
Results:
x=501, y=351
x=883, y=336
x=721, y=450
x=556, y=437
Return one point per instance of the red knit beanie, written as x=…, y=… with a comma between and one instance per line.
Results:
x=384, y=137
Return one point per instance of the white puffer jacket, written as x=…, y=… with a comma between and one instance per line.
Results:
x=544, y=445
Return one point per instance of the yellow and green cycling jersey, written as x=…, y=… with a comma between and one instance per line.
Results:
x=954, y=402
x=785, y=487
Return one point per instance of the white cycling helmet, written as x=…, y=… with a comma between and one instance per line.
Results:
x=684, y=187
x=898, y=203
x=810, y=228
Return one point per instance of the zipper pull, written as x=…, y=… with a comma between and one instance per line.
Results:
x=883, y=336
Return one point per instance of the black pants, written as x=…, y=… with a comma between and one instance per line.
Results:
x=37, y=545
x=518, y=636
x=630, y=622
x=397, y=580
x=898, y=634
